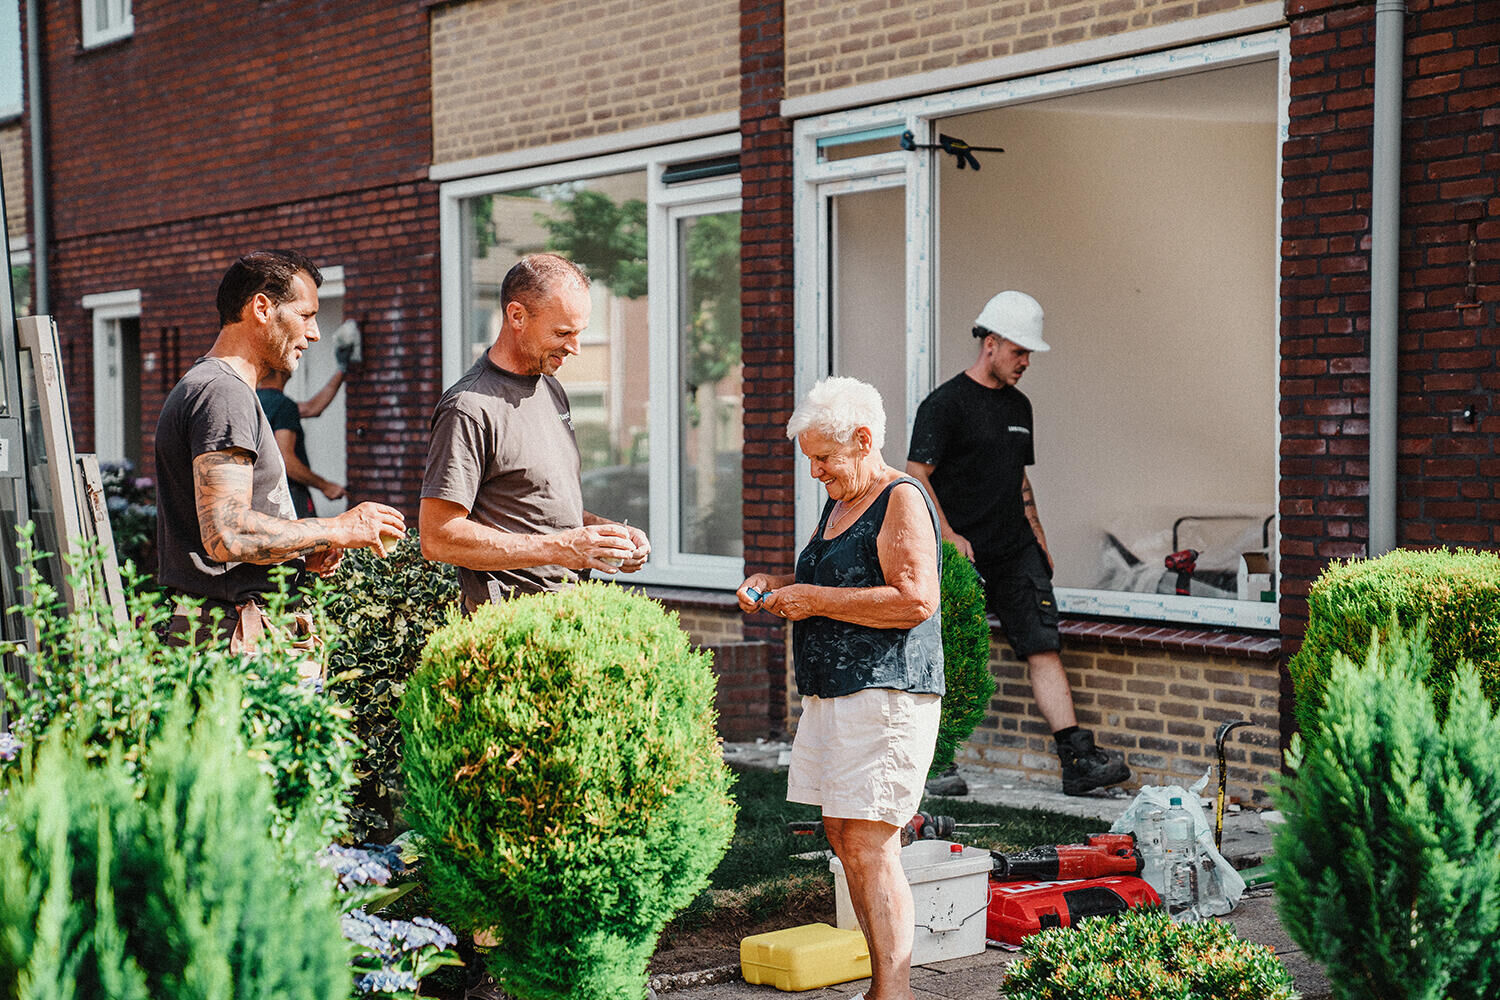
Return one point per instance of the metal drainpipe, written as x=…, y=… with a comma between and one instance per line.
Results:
x=42, y=306
x=1385, y=272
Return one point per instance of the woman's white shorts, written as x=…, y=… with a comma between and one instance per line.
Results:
x=864, y=755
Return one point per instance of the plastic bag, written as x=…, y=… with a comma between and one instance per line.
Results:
x=1217, y=895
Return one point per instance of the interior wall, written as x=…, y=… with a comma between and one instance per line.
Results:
x=869, y=296
x=1150, y=243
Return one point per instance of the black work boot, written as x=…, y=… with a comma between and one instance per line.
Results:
x=1085, y=767
x=948, y=784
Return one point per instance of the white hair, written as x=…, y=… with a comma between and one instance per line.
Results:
x=837, y=407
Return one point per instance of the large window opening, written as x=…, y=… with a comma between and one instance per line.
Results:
x=1138, y=202
x=656, y=392
x=1143, y=219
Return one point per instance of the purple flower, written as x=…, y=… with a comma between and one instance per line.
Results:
x=10, y=747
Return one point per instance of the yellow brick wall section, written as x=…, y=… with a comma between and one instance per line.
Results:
x=706, y=627
x=1160, y=709
x=14, y=180
x=840, y=43
x=514, y=74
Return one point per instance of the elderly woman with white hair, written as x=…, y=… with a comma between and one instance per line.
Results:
x=868, y=654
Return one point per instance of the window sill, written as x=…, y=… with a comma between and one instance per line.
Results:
x=688, y=597
x=1145, y=635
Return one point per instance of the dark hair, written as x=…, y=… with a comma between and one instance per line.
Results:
x=269, y=271
x=536, y=275
x=982, y=332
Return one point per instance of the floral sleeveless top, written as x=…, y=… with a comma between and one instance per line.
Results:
x=834, y=657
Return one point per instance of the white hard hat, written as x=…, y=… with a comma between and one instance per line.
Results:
x=1015, y=316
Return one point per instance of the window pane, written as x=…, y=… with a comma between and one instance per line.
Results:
x=601, y=224
x=712, y=419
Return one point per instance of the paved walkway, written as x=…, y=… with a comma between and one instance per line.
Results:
x=1247, y=840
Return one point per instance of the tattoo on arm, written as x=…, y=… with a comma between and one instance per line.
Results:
x=231, y=530
x=1028, y=500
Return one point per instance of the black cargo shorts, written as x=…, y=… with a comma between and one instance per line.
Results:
x=1018, y=591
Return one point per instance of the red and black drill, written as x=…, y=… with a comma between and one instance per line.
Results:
x=1103, y=854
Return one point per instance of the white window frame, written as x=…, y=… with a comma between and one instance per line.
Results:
x=108, y=309
x=118, y=21
x=666, y=203
x=814, y=182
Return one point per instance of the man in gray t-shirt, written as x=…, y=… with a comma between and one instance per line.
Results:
x=501, y=497
x=224, y=513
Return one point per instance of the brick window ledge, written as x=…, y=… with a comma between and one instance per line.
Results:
x=1145, y=635
x=688, y=597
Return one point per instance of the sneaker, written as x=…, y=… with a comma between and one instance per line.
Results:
x=1086, y=767
x=948, y=784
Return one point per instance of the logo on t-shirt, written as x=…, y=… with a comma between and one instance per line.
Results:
x=1017, y=429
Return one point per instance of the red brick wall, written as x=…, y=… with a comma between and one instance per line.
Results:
x=214, y=108
x=384, y=242
x=1450, y=282
x=766, y=304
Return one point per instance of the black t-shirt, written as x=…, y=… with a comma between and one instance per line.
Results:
x=979, y=442
x=283, y=415
x=210, y=410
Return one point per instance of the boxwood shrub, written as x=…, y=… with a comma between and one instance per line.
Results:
x=966, y=656
x=382, y=611
x=1457, y=592
x=1143, y=955
x=561, y=760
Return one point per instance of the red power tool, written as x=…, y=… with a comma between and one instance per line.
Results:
x=1183, y=563
x=1102, y=854
x=1020, y=909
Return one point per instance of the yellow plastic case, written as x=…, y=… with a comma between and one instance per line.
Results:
x=805, y=957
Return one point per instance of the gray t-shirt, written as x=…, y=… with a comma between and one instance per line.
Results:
x=212, y=409
x=503, y=449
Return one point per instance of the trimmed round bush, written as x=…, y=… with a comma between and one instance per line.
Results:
x=1143, y=955
x=561, y=761
x=1457, y=592
x=966, y=656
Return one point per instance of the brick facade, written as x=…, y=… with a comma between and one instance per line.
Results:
x=1449, y=286
x=833, y=43
x=766, y=296
x=515, y=75
x=210, y=132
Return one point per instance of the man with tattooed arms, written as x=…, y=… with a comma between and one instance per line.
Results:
x=224, y=510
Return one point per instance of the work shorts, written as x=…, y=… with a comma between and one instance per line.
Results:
x=864, y=755
x=1018, y=591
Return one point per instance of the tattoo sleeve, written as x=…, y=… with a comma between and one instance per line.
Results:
x=1028, y=500
x=231, y=530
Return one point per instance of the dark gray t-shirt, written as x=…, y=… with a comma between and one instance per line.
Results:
x=212, y=409
x=503, y=449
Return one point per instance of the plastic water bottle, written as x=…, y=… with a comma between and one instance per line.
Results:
x=1151, y=843
x=1180, y=844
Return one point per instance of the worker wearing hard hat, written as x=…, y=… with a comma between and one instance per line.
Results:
x=970, y=446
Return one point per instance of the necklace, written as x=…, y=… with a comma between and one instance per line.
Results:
x=841, y=508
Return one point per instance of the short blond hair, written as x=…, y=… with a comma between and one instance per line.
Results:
x=838, y=406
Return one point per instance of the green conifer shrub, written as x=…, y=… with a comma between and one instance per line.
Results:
x=561, y=761
x=1143, y=955
x=1457, y=592
x=1388, y=866
x=382, y=612
x=966, y=656
x=111, y=684
x=162, y=881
